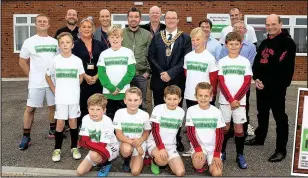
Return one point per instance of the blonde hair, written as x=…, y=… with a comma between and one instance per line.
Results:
x=204, y=86
x=97, y=99
x=41, y=15
x=63, y=34
x=134, y=90
x=115, y=30
x=88, y=19
x=172, y=90
x=197, y=31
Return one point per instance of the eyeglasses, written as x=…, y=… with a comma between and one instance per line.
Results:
x=171, y=18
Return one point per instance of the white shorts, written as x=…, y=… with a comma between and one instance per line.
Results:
x=238, y=115
x=113, y=152
x=36, y=97
x=171, y=149
x=64, y=112
x=209, y=155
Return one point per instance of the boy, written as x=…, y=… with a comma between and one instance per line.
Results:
x=132, y=127
x=234, y=80
x=67, y=71
x=205, y=124
x=97, y=135
x=166, y=119
x=116, y=69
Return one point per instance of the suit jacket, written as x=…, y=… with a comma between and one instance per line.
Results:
x=148, y=27
x=173, y=64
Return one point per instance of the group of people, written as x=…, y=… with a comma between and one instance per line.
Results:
x=100, y=84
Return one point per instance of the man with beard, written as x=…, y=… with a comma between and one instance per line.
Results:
x=100, y=33
x=71, y=24
x=138, y=40
x=273, y=69
x=166, y=57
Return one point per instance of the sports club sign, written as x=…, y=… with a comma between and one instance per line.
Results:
x=219, y=21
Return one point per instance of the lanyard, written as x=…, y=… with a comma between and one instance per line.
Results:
x=106, y=41
x=90, y=54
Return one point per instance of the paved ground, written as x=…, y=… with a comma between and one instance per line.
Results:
x=14, y=96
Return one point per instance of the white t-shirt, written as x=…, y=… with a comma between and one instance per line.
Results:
x=205, y=123
x=169, y=120
x=101, y=131
x=249, y=36
x=198, y=66
x=66, y=73
x=234, y=71
x=116, y=63
x=40, y=50
x=132, y=126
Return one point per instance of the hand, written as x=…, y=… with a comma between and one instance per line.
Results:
x=163, y=154
x=259, y=84
x=117, y=91
x=235, y=104
x=140, y=150
x=88, y=79
x=199, y=157
x=93, y=79
x=137, y=142
x=217, y=162
x=165, y=77
x=146, y=75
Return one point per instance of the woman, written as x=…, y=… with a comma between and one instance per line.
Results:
x=88, y=50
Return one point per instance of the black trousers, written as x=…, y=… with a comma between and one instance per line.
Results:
x=113, y=106
x=274, y=99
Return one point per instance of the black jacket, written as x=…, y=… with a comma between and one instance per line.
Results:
x=173, y=65
x=275, y=60
x=148, y=27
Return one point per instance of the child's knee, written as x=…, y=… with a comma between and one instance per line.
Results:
x=60, y=125
x=72, y=123
x=160, y=162
x=180, y=172
x=216, y=173
x=126, y=150
x=135, y=171
x=80, y=171
x=94, y=156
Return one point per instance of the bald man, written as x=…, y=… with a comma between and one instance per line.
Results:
x=71, y=24
x=154, y=25
x=100, y=33
x=273, y=69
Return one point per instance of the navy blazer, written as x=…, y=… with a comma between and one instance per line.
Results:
x=173, y=65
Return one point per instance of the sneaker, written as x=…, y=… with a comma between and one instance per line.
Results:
x=51, y=133
x=223, y=156
x=25, y=142
x=240, y=159
x=155, y=168
x=76, y=153
x=126, y=162
x=188, y=153
x=56, y=155
x=104, y=171
x=250, y=130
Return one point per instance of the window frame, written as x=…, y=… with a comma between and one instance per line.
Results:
x=28, y=24
x=123, y=23
x=292, y=24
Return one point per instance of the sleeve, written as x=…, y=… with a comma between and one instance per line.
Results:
x=222, y=37
x=51, y=68
x=219, y=134
x=146, y=123
x=147, y=53
x=117, y=120
x=107, y=133
x=287, y=59
x=220, y=122
x=256, y=63
x=152, y=56
x=84, y=127
x=223, y=87
x=252, y=54
x=223, y=52
x=155, y=116
x=248, y=70
x=191, y=132
x=81, y=69
x=185, y=62
x=102, y=75
x=217, y=51
x=246, y=84
x=25, y=52
x=131, y=70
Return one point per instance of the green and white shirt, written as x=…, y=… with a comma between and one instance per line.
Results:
x=40, y=50
x=233, y=71
x=65, y=72
x=132, y=126
x=205, y=123
x=169, y=123
x=198, y=66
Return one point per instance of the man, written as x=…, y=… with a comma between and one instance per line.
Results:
x=71, y=24
x=40, y=49
x=212, y=45
x=273, y=70
x=138, y=40
x=166, y=57
x=100, y=33
x=154, y=26
x=248, y=50
x=236, y=15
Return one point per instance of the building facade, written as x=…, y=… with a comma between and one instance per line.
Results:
x=18, y=19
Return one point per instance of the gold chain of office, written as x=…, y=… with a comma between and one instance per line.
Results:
x=169, y=42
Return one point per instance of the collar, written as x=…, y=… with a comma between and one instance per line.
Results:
x=173, y=33
x=133, y=31
x=245, y=42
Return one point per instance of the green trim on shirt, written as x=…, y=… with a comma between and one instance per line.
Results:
x=119, y=96
x=128, y=77
x=104, y=79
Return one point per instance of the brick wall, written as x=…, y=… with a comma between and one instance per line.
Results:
x=196, y=9
x=299, y=133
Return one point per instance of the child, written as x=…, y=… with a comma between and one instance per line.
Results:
x=199, y=66
x=234, y=80
x=166, y=120
x=205, y=124
x=132, y=128
x=67, y=71
x=98, y=136
x=116, y=69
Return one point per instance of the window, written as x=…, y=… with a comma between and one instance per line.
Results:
x=296, y=25
x=121, y=19
x=24, y=27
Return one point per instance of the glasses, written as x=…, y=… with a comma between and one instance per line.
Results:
x=171, y=18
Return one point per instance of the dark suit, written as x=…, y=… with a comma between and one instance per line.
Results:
x=173, y=65
x=148, y=27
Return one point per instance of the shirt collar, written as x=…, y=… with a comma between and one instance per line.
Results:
x=173, y=33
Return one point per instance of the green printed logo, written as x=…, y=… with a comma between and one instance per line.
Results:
x=233, y=70
x=170, y=123
x=217, y=28
x=197, y=66
x=305, y=140
x=132, y=127
x=66, y=73
x=46, y=48
x=95, y=135
x=205, y=123
x=109, y=61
